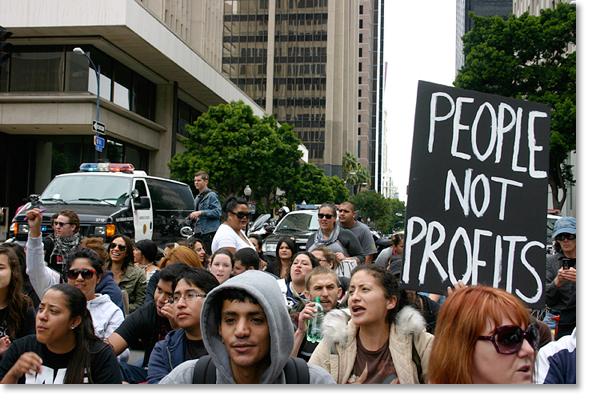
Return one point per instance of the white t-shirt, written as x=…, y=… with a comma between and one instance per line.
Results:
x=227, y=237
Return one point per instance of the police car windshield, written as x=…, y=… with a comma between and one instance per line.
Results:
x=298, y=222
x=102, y=189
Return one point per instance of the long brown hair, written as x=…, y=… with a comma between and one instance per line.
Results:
x=181, y=254
x=464, y=316
x=128, y=259
x=17, y=301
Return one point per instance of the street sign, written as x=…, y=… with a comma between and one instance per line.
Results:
x=98, y=143
x=98, y=127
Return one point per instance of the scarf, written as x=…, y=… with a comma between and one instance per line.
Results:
x=319, y=240
x=64, y=246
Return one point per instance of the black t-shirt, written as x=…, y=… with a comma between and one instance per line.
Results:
x=104, y=368
x=194, y=349
x=27, y=323
x=144, y=324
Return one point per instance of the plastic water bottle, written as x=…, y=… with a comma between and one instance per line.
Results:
x=314, y=324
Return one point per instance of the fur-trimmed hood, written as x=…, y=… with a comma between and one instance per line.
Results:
x=337, y=327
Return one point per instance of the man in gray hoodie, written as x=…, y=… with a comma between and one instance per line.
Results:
x=247, y=330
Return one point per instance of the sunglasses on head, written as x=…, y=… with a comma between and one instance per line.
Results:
x=327, y=216
x=61, y=224
x=121, y=246
x=87, y=274
x=508, y=339
x=568, y=236
x=240, y=214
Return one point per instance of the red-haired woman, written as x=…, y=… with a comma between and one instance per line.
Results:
x=483, y=335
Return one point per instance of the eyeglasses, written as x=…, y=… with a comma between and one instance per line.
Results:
x=62, y=224
x=568, y=236
x=509, y=339
x=322, y=260
x=240, y=214
x=121, y=246
x=189, y=297
x=87, y=274
x=327, y=216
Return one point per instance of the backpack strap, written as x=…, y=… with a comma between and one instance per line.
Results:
x=205, y=371
x=296, y=371
x=417, y=361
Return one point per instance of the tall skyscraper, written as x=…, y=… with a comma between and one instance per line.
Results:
x=298, y=59
x=483, y=8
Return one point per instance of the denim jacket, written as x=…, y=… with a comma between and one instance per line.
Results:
x=211, y=212
x=166, y=355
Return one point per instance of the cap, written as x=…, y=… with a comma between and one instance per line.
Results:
x=568, y=224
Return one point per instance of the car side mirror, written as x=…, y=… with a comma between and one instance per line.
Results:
x=142, y=203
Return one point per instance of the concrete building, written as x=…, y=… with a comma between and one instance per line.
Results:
x=483, y=8
x=299, y=61
x=160, y=64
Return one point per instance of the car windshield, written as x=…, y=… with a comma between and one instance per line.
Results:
x=96, y=190
x=298, y=222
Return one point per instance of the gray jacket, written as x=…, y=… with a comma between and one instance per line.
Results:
x=557, y=298
x=265, y=289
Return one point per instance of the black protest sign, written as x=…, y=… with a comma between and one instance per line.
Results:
x=478, y=190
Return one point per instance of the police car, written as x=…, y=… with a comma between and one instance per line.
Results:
x=114, y=198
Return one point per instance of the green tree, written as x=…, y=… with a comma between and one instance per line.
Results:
x=350, y=165
x=371, y=205
x=238, y=148
x=362, y=178
x=527, y=58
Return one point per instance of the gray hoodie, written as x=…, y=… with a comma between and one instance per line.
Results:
x=265, y=289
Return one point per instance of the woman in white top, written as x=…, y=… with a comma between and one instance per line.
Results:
x=230, y=234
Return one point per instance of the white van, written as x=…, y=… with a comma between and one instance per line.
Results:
x=114, y=198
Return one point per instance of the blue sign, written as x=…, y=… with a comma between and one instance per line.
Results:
x=99, y=143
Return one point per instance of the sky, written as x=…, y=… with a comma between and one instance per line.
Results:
x=419, y=44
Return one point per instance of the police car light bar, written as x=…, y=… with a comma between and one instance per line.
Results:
x=107, y=167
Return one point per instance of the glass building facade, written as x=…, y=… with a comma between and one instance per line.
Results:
x=299, y=62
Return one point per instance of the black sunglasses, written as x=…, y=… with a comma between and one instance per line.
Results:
x=240, y=214
x=321, y=216
x=509, y=339
x=62, y=224
x=87, y=274
x=568, y=236
x=121, y=246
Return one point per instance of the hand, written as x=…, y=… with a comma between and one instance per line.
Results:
x=28, y=363
x=168, y=312
x=34, y=218
x=4, y=344
x=340, y=256
x=457, y=286
x=195, y=214
x=569, y=274
x=307, y=313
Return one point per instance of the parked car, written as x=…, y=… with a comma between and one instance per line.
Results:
x=297, y=224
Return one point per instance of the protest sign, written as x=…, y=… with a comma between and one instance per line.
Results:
x=478, y=189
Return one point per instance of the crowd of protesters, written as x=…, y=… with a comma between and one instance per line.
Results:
x=211, y=309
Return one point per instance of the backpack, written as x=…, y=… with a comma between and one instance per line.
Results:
x=296, y=371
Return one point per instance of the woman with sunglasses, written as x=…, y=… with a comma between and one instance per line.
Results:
x=83, y=270
x=342, y=242
x=64, y=349
x=230, y=234
x=128, y=277
x=561, y=269
x=483, y=335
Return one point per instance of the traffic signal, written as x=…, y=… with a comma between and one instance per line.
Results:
x=4, y=46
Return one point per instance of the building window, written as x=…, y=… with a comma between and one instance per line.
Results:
x=360, y=80
x=359, y=130
x=361, y=37
x=361, y=24
x=359, y=118
x=361, y=9
x=359, y=148
x=359, y=93
x=359, y=105
x=360, y=67
x=360, y=52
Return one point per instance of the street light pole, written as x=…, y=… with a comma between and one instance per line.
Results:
x=80, y=51
x=248, y=191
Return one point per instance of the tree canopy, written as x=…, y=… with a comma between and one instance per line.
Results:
x=530, y=58
x=237, y=148
x=385, y=214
